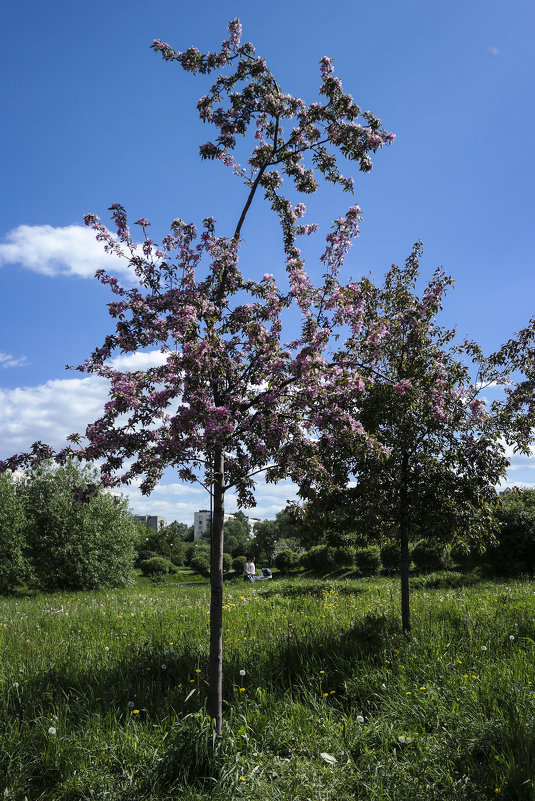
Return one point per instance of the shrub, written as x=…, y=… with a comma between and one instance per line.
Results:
x=13, y=564
x=286, y=560
x=428, y=556
x=200, y=564
x=197, y=548
x=391, y=555
x=78, y=536
x=227, y=562
x=156, y=566
x=368, y=560
x=315, y=559
x=143, y=555
x=238, y=563
x=343, y=557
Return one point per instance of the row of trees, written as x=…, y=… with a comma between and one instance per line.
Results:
x=371, y=390
x=60, y=531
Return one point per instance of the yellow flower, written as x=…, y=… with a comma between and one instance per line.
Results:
x=135, y=711
x=242, y=778
x=325, y=695
x=322, y=671
x=198, y=671
x=408, y=693
x=242, y=689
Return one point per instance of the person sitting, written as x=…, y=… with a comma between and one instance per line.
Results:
x=249, y=569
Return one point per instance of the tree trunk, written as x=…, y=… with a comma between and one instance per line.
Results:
x=404, y=542
x=215, y=663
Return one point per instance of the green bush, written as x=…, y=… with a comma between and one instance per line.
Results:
x=78, y=536
x=344, y=557
x=156, y=566
x=238, y=563
x=197, y=548
x=14, y=566
x=200, y=564
x=142, y=555
x=368, y=560
x=315, y=559
x=428, y=556
x=391, y=555
x=227, y=562
x=286, y=560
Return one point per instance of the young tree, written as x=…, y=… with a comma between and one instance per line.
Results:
x=422, y=400
x=231, y=399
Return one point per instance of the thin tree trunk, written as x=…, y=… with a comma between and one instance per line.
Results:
x=215, y=663
x=404, y=542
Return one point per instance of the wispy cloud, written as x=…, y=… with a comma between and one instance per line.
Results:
x=71, y=250
x=6, y=360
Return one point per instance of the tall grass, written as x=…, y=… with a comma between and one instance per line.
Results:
x=104, y=693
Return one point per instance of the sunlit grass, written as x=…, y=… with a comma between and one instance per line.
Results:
x=104, y=692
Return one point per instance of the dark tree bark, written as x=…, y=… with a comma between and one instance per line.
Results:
x=215, y=663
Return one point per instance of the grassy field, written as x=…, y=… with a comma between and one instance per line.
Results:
x=103, y=694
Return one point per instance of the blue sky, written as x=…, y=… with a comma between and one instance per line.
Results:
x=92, y=116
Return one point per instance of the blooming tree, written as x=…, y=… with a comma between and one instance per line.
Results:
x=232, y=399
x=423, y=399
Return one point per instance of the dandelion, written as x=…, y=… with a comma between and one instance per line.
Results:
x=198, y=671
x=242, y=778
x=242, y=672
x=511, y=637
x=242, y=689
x=52, y=730
x=166, y=653
x=322, y=671
x=135, y=711
x=131, y=705
x=15, y=685
x=360, y=719
x=163, y=667
x=483, y=647
x=325, y=695
x=106, y=648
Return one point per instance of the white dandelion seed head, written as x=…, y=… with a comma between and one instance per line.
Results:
x=511, y=636
x=242, y=672
x=52, y=730
x=360, y=719
x=483, y=647
x=131, y=705
x=164, y=667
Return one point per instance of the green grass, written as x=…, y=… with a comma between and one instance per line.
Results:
x=103, y=693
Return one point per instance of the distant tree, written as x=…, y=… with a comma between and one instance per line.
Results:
x=14, y=565
x=166, y=542
x=266, y=534
x=515, y=550
x=237, y=534
x=181, y=530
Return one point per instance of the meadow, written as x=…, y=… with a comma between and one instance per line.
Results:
x=103, y=693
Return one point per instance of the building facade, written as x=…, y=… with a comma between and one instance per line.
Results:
x=203, y=518
x=154, y=522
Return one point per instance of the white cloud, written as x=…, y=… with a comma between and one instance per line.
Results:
x=51, y=411
x=48, y=412
x=7, y=360
x=129, y=362
x=71, y=250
